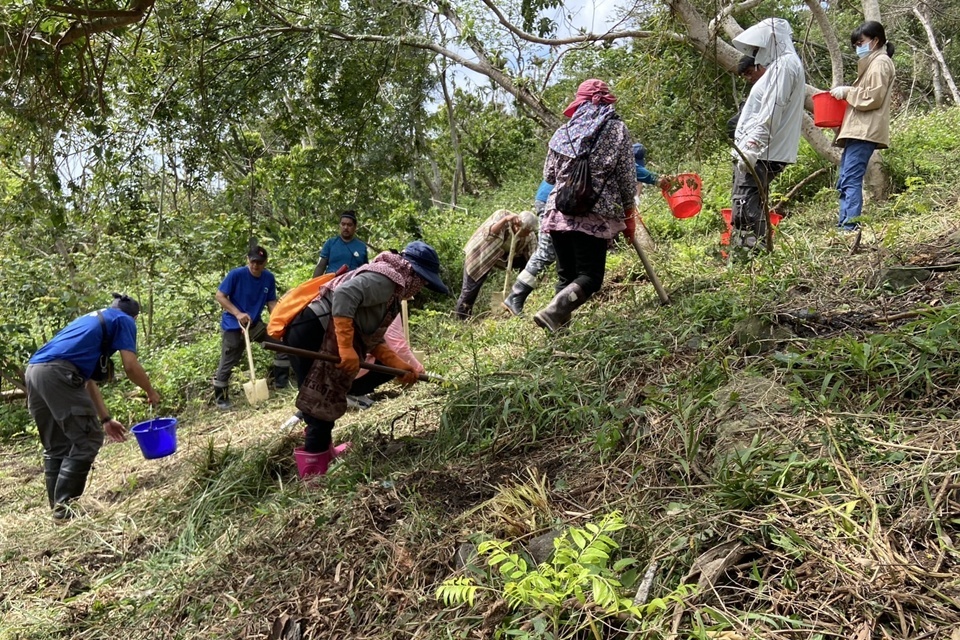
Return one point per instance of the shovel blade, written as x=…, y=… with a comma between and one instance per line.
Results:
x=496, y=299
x=256, y=391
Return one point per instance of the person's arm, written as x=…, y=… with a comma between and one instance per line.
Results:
x=113, y=428
x=136, y=374
x=646, y=176
x=396, y=340
x=870, y=94
x=229, y=307
x=496, y=229
x=321, y=267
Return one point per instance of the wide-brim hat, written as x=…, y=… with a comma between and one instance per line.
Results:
x=426, y=263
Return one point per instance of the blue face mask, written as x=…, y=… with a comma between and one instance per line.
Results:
x=863, y=50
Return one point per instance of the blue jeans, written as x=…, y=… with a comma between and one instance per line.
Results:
x=853, y=166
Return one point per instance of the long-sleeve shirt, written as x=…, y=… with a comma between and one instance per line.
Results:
x=612, y=171
x=485, y=248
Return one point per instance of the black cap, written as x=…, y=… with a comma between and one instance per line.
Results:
x=126, y=304
x=258, y=254
x=349, y=213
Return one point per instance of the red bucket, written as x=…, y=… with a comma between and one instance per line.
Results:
x=727, y=214
x=827, y=110
x=683, y=195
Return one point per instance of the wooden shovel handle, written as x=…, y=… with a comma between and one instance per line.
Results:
x=648, y=267
x=316, y=355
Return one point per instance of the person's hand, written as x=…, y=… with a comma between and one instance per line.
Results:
x=630, y=220
x=243, y=319
x=515, y=223
x=840, y=93
x=115, y=430
x=664, y=182
x=748, y=160
x=410, y=377
x=153, y=398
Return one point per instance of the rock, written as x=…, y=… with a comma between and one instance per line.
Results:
x=744, y=406
x=757, y=335
x=901, y=277
x=541, y=547
x=466, y=554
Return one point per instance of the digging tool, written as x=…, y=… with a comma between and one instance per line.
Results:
x=654, y=280
x=496, y=300
x=405, y=320
x=316, y=355
x=256, y=389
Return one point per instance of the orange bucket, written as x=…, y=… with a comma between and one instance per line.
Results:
x=827, y=110
x=727, y=214
x=683, y=195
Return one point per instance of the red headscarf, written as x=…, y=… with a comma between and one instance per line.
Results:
x=593, y=90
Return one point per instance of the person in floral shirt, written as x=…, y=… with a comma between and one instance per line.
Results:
x=581, y=241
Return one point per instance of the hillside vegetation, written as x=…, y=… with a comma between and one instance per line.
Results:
x=774, y=455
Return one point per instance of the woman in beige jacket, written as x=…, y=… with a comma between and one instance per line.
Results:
x=866, y=123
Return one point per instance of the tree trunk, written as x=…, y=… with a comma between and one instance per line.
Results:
x=937, y=79
x=830, y=39
x=935, y=50
x=871, y=10
x=458, y=169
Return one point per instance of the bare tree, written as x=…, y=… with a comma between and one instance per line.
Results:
x=920, y=11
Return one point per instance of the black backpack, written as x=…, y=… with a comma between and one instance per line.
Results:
x=576, y=197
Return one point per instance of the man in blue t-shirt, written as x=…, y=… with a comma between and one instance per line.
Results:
x=243, y=294
x=344, y=249
x=66, y=404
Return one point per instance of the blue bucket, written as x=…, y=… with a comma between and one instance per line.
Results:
x=157, y=438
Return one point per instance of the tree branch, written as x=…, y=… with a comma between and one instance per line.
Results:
x=585, y=37
x=830, y=39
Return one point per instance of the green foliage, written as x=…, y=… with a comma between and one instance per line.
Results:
x=577, y=589
x=917, y=363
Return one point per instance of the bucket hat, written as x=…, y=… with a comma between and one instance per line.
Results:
x=426, y=263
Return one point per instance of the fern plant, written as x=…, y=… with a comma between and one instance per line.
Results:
x=577, y=589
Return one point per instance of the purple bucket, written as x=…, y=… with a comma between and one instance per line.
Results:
x=157, y=438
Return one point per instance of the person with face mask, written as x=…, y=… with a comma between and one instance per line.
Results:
x=767, y=137
x=866, y=123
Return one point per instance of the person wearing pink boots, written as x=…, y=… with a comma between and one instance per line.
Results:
x=349, y=318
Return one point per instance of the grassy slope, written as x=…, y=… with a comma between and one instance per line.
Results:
x=821, y=462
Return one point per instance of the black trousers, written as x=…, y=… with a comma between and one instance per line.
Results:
x=581, y=259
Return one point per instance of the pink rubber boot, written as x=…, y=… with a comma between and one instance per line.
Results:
x=340, y=449
x=311, y=464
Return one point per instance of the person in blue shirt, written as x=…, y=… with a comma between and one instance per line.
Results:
x=66, y=404
x=243, y=294
x=344, y=249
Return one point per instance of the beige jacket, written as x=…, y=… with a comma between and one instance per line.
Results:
x=868, y=111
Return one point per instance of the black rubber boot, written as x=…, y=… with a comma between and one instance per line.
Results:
x=557, y=313
x=281, y=377
x=51, y=471
x=70, y=485
x=518, y=296
x=221, y=396
x=463, y=311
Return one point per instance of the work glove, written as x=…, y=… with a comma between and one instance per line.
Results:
x=349, y=360
x=840, y=93
x=630, y=220
x=748, y=160
x=388, y=356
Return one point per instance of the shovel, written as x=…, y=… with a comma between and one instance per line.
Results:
x=256, y=390
x=648, y=267
x=496, y=300
x=405, y=320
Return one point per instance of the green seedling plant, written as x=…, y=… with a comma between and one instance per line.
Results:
x=578, y=590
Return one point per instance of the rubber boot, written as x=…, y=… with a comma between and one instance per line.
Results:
x=222, y=397
x=70, y=485
x=51, y=471
x=281, y=377
x=558, y=312
x=518, y=296
x=311, y=464
x=463, y=311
